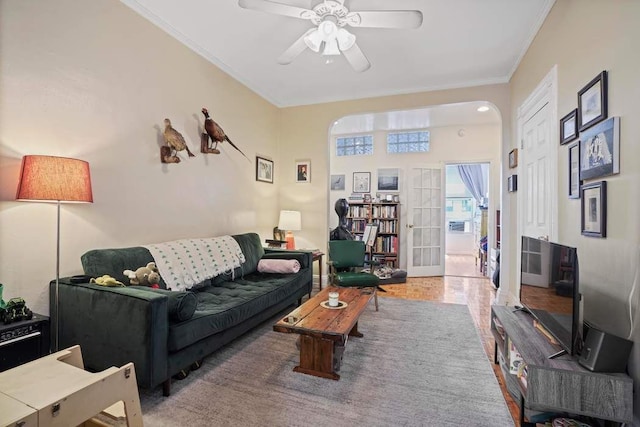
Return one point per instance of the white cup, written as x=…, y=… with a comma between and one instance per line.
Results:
x=333, y=299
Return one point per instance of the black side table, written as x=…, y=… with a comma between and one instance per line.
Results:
x=23, y=341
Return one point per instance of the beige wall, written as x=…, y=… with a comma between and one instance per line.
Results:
x=94, y=80
x=304, y=133
x=583, y=38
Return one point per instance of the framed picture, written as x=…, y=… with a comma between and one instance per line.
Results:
x=574, y=171
x=569, y=127
x=594, y=209
x=361, y=182
x=396, y=198
x=337, y=182
x=264, y=170
x=387, y=179
x=600, y=150
x=513, y=158
x=592, y=102
x=512, y=183
x=367, y=198
x=303, y=171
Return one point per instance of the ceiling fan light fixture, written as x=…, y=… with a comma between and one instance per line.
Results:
x=345, y=39
x=328, y=29
x=314, y=40
x=331, y=47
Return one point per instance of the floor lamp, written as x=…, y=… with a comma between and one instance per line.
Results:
x=60, y=180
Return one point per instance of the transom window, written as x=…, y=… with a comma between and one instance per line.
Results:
x=408, y=142
x=354, y=145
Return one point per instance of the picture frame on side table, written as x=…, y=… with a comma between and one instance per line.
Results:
x=569, y=127
x=593, y=211
x=337, y=182
x=303, y=171
x=600, y=150
x=264, y=170
x=362, y=182
x=592, y=102
x=574, y=171
x=513, y=158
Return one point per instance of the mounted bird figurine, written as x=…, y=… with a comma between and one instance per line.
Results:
x=215, y=133
x=175, y=142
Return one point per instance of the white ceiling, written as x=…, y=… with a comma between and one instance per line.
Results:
x=460, y=43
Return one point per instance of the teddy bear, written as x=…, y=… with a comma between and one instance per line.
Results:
x=144, y=276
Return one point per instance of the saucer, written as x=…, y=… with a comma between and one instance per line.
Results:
x=341, y=305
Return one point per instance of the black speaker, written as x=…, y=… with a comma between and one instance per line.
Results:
x=603, y=352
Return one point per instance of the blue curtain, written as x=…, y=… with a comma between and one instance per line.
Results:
x=475, y=177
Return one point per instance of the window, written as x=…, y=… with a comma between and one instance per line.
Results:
x=354, y=145
x=408, y=142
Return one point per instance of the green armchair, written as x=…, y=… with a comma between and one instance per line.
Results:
x=346, y=258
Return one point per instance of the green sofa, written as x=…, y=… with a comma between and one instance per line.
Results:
x=164, y=332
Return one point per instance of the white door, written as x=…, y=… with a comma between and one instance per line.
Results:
x=536, y=174
x=425, y=221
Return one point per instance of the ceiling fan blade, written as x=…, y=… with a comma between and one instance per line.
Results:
x=294, y=50
x=385, y=19
x=277, y=8
x=356, y=58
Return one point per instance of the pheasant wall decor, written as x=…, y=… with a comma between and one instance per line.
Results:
x=175, y=142
x=215, y=134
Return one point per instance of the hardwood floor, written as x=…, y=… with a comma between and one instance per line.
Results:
x=476, y=292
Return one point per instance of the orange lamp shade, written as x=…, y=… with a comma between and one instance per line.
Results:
x=49, y=178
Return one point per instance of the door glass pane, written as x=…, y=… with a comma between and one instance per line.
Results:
x=435, y=236
x=437, y=178
x=426, y=198
x=417, y=218
x=417, y=237
x=426, y=179
x=435, y=197
x=426, y=257
x=417, y=257
x=426, y=237
x=417, y=197
x=435, y=256
x=435, y=217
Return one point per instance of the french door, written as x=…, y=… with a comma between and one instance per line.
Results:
x=425, y=222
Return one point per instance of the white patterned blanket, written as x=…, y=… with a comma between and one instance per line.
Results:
x=187, y=262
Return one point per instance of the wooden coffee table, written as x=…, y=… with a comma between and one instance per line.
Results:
x=324, y=331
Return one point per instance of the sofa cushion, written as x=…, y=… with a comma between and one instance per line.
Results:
x=230, y=303
x=180, y=305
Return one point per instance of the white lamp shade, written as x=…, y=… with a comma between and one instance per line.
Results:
x=346, y=40
x=331, y=47
x=290, y=221
x=314, y=40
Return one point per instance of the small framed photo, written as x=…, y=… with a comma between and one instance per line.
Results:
x=303, y=171
x=362, y=182
x=569, y=127
x=264, y=170
x=574, y=171
x=594, y=209
x=592, y=102
x=337, y=182
x=600, y=150
x=367, y=197
x=396, y=198
x=513, y=158
x=512, y=183
x=387, y=179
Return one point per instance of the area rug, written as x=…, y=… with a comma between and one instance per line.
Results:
x=418, y=364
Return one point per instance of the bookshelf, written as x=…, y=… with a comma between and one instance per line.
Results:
x=386, y=216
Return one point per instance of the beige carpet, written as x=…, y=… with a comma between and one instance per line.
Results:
x=419, y=363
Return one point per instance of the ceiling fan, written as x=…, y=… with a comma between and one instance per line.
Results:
x=330, y=18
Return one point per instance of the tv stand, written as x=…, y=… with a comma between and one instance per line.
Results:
x=552, y=384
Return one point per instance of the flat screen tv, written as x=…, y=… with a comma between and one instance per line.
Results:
x=549, y=290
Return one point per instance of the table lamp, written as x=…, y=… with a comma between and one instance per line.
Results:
x=60, y=180
x=290, y=221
